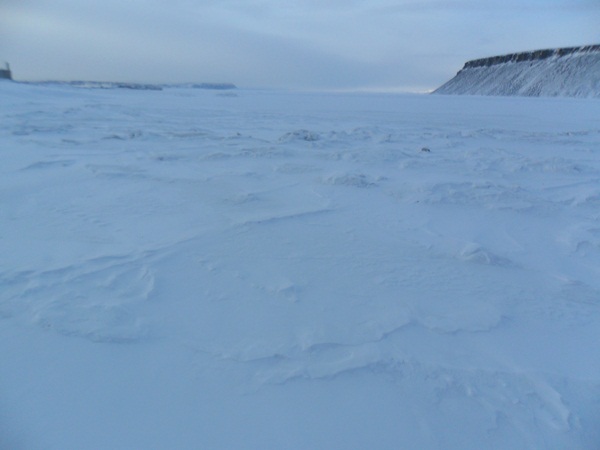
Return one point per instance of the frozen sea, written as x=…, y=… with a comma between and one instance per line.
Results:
x=254, y=269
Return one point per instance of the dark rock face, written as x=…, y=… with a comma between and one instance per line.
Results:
x=529, y=56
x=6, y=74
x=569, y=72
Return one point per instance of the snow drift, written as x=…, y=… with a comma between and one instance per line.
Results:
x=198, y=269
x=563, y=72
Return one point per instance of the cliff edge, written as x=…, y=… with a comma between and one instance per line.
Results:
x=562, y=72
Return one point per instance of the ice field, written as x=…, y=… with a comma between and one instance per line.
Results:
x=198, y=269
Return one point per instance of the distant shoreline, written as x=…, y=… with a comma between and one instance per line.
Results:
x=135, y=86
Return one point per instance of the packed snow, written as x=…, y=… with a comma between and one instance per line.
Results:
x=570, y=72
x=189, y=269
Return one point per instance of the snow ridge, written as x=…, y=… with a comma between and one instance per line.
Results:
x=562, y=72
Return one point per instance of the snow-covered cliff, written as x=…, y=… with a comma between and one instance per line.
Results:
x=564, y=72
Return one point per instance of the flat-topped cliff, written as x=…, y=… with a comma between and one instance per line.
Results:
x=564, y=72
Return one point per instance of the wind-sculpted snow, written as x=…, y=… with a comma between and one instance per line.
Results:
x=182, y=269
x=563, y=72
x=97, y=300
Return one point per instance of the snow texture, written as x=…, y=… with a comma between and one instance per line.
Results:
x=566, y=72
x=182, y=269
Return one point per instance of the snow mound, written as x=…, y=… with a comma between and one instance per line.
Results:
x=98, y=299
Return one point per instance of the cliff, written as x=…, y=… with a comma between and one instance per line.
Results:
x=6, y=73
x=563, y=72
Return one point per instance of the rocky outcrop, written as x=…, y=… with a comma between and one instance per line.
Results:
x=5, y=73
x=566, y=72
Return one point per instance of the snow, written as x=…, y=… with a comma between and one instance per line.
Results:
x=575, y=74
x=269, y=269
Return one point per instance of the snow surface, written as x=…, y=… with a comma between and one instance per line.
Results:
x=575, y=74
x=186, y=269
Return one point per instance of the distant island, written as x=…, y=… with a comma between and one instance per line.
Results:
x=136, y=86
x=561, y=72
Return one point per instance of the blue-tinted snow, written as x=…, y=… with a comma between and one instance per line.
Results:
x=182, y=269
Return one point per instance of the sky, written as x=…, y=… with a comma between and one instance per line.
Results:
x=378, y=45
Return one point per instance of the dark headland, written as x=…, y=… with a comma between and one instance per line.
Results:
x=561, y=72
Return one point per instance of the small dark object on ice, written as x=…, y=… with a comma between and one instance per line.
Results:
x=426, y=150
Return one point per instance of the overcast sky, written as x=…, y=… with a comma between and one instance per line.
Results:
x=412, y=45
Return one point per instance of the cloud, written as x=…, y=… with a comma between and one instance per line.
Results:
x=295, y=43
